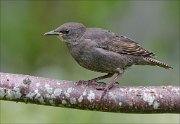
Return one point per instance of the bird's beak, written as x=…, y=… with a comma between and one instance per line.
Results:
x=52, y=33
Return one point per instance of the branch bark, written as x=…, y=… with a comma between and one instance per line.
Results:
x=62, y=93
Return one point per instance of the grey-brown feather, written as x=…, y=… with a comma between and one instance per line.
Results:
x=103, y=51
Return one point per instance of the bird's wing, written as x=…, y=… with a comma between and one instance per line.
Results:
x=124, y=45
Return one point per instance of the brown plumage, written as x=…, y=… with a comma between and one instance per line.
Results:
x=126, y=46
x=153, y=61
x=103, y=51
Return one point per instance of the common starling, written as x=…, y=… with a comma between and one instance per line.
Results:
x=103, y=51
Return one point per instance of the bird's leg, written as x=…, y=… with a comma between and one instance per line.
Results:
x=102, y=77
x=94, y=80
x=112, y=83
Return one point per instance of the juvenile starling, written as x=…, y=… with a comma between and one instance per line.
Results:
x=103, y=51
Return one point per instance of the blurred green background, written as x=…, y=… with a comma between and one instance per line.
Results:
x=24, y=49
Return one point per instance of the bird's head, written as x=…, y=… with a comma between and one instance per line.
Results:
x=68, y=32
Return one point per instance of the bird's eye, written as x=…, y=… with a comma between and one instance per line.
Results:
x=65, y=32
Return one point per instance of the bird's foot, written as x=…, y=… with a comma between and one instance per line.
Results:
x=108, y=87
x=86, y=82
x=93, y=83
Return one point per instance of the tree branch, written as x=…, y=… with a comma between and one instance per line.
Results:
x=61, y=93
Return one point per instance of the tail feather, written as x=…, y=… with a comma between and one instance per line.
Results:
x=153, y=61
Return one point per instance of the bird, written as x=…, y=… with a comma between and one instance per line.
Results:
x=101, y=50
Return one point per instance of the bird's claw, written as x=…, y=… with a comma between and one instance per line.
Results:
x=108, y=87
x=86, y=82
x=93, y=83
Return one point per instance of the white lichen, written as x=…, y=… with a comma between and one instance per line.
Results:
x=15, y=92
x=48, y=88
x=10, y=94
x=91, y=96
x=69, y=90
x=36, y=91
x=80, y=98
x=37, y=84
x=84, y=93
x=41, y=100
x=30, y=95
x=17, y=84
x=51, y=102
x=111, y=95
x=148, y=98
x=57, y=92
x=120, y=104
x=67, y=93
x=155, y=105
x=53, y=96
x=160, y=96
x=58, y=83
x=2, y=92
x=64, y=102
x=37, y=96
x=73, y=100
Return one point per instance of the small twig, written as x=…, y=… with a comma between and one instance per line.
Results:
x=61, y=93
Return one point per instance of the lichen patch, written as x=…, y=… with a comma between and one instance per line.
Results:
x=2, y=92
x=111, y=95
x=16, y=92
x=41, y=100
x=91, y=96
x=156, y=105
x=57, y=92
x=64, y=102
x=48, y=88
x=30, y=95
x=80, y=99
x=148, y=98
x=37, y=84
x=67, y=93
x=51, y=102
x=73, y=100
x=120, y=104
x=84, y=93
x=58, y=83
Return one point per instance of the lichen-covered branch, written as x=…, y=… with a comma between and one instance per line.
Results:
x=61, y=93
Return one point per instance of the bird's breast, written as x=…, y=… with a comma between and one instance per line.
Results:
x=94, y=59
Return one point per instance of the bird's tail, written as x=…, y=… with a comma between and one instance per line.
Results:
x=153, y=61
